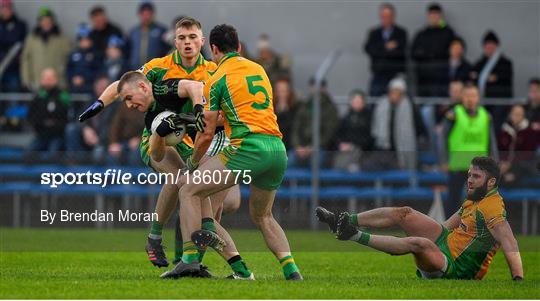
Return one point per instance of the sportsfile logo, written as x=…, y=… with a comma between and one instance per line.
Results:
x=118, y=177
x=109, y=177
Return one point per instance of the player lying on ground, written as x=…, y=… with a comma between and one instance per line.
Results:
x=242, y=90
x=184, y=63
x=460, y=248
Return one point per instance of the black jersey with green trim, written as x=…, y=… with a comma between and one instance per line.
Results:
x=166, y=99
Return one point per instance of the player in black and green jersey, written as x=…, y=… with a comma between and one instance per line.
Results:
x=185, y=62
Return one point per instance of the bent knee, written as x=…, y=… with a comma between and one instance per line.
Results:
x=261, y=219
x=402, y=213
x=231, y=205
x=420, y=244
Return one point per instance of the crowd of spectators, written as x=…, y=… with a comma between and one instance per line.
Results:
x=385, y=134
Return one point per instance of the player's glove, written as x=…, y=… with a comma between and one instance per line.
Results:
x=190, y=166
x=171, y=123
x=188, y=119
x=517, y=278
x=199, y=115
x=92, y=110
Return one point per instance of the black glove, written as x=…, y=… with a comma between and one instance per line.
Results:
x=187, y=118
x=199, y=116
x=92, y=110
x=170, y=124
x=517, y=278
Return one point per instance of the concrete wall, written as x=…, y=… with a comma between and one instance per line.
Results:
x=309, y=30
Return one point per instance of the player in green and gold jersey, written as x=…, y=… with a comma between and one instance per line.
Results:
x=186, y=62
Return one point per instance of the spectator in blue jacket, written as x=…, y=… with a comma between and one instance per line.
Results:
x=115, y=63
x=148, y=39
x=12, y=31
x=83, y=62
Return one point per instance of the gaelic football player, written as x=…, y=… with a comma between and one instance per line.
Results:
x=461, y=248
x=241, y=89
x=185, y=62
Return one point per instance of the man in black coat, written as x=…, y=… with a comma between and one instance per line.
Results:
x=386, y=45
x=102, y=30
x=494, y=74
x=430, y=53
x=498, y=81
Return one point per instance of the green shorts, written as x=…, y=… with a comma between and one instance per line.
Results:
x=181, y=148
x=442, y=244
x=263, y=157
x=457, y=268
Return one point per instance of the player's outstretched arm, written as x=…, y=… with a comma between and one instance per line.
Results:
x=504, y=236
x=106, y=98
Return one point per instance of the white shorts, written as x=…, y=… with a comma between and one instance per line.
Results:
x=219, y=141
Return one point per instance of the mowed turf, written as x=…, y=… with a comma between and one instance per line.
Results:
x=60, y=263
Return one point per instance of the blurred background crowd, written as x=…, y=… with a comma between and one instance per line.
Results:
x=420, y=83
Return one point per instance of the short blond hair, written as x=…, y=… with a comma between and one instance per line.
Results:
x=130, y=77
x=188, y=22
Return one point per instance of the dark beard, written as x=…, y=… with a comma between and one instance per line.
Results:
x=478, y=193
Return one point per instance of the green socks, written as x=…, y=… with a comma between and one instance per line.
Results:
x=178, y=250
x=156, y=229
x=288, y=266
x=207, y=223
x=180, y=247
x=361, y=238
x=239, y=266
x=190, y=252
x=353, y=219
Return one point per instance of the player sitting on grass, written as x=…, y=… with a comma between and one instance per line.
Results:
x=186, y=62
x=241, y=89
x=460, y=248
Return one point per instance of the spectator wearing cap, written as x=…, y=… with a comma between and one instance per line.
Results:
x=83, y=63
x=386, y=45
x=147, y=40
x=430, y=53
x=102, y=30
x=394, y=128
x=354, y=133
x=493, y=73
x=302, y=129
x=274, y=64
x=115, y=63
x=12, y=33
x=45, y=47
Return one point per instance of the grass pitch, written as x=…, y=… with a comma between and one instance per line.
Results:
x=61, y=263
